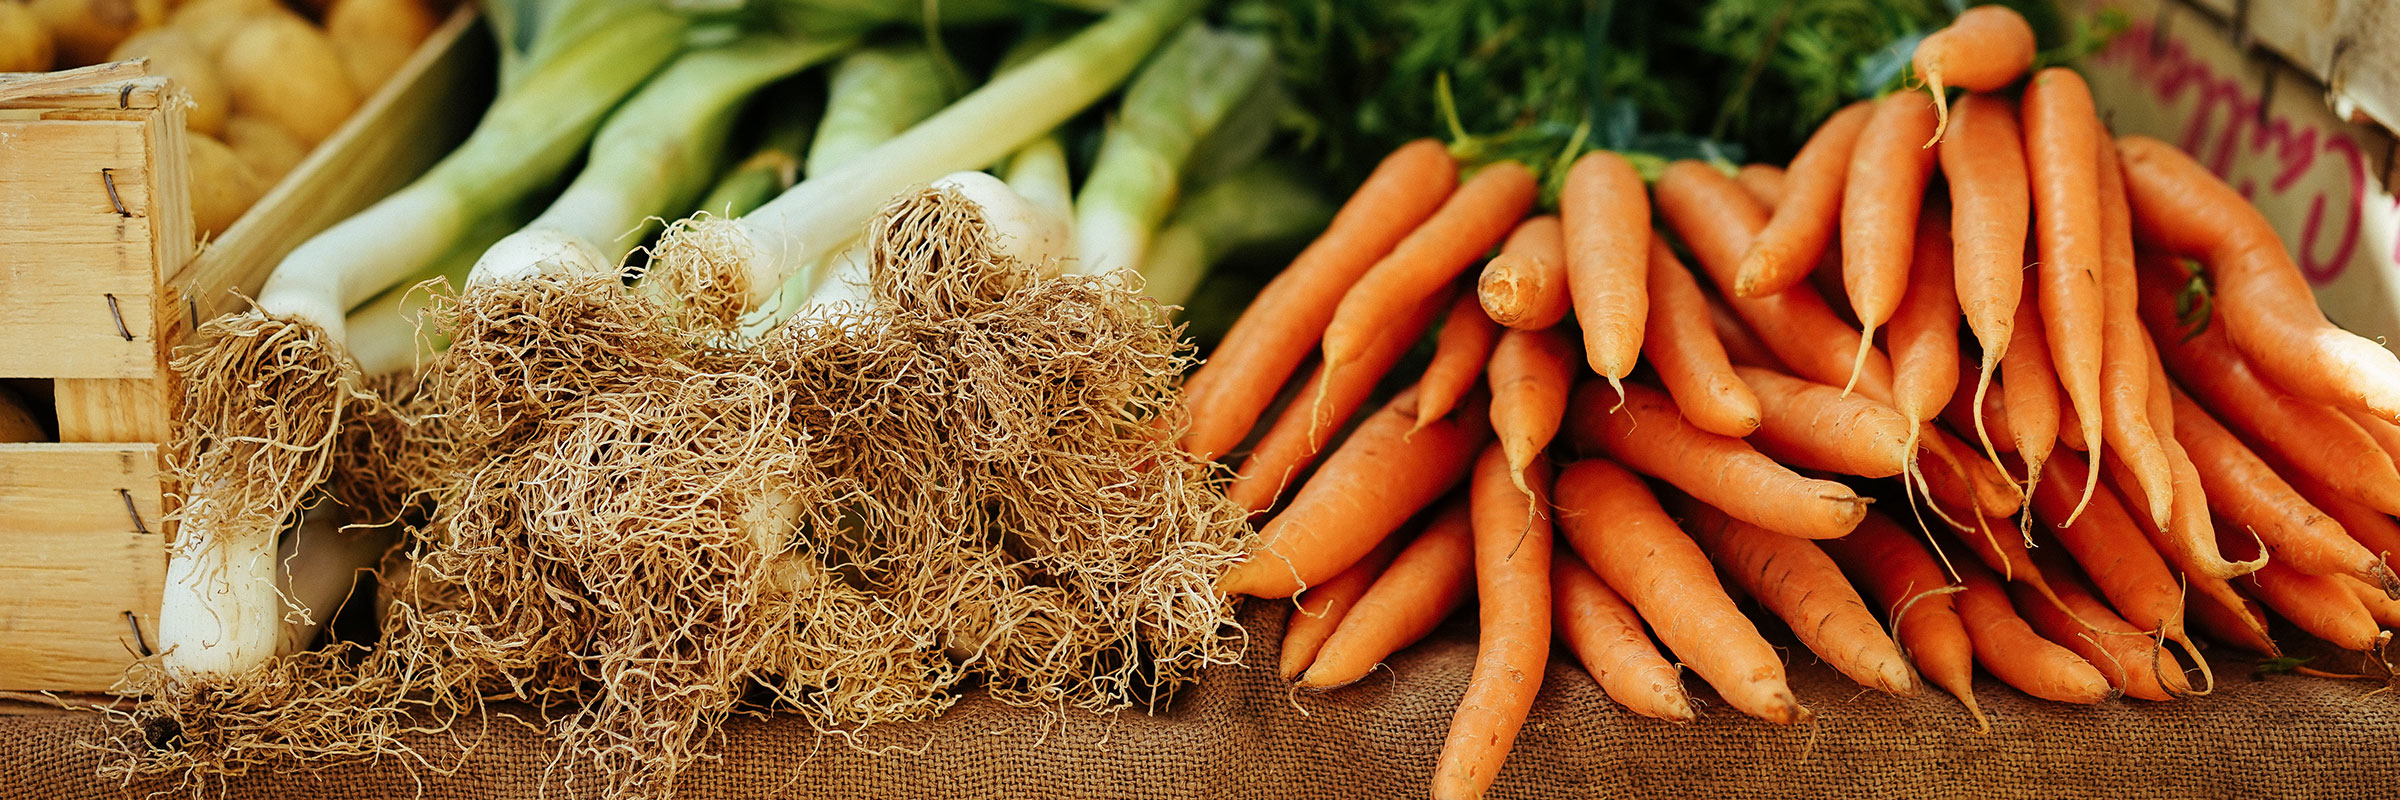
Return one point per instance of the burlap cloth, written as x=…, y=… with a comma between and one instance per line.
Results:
x=1242, y=733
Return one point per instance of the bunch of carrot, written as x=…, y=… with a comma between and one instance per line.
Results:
x=1729, y=426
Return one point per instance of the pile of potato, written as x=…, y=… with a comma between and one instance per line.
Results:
x=266, y=80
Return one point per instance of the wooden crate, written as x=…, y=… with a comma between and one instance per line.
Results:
x=100, y=279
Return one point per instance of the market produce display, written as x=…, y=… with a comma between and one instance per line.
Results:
x=829, y=361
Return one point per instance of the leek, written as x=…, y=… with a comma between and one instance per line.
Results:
x=1262, y=204
x=768, y=170
x=386, y=335
x=1190, y=88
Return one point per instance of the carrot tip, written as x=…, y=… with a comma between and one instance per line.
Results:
x=1615, y=383
x=1941, y=106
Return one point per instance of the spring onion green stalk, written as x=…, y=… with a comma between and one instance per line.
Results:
x=385, y=333
x=265, y=389
x=1190, y=88
x=653, y=156
x=1262, y=204
x=768, y=171
x=319, y=564
x=824, y=212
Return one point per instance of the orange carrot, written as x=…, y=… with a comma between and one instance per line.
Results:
x=2261, y=300
x=2373, y=529
x=1985, y=49
x=1881, y=199
x=1471, y=222
x=1372, y=484
x=1648, y=435
x=2188, y=539
x=1815, y=426
x=1512, y=582
x=2382, y=607
x=1459, y=354
x=1430, y=578
x=1763, y=182
x=2112, y=549
x=1994, y=493
x=2125, y=655
x=1908, y=585
x=1718, y=222
x=2247, y=493
x=1798, y=582
x=1525, y=286
x=2034, y=415
x=1993, y=207
x=1302, y=430
x=2061, y=155
x=1809, y=206
x=1322, y=608
x=1607, y=636
x=1961, y=414
x=1606, y=216
x=1613, y=521
x=1531, y=374
x=1682, y=345
x=2318, y=604
x=1741, y=346
x=2385, y=433
x=2240, y=624
x=2125, y=422
x=1282, y=325
x=1924, y=330
x=2008, y=646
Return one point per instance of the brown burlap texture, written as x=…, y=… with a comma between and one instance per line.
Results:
x=1243, y=734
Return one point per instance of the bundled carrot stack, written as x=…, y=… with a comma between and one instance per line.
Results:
x=2214, y=461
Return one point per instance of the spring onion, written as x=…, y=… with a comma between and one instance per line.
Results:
x=1183, y=94
x=1259, y=205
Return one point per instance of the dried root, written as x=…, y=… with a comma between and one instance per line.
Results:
x=262, y=405
x=703, y=263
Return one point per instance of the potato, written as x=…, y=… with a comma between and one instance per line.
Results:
x=24, y=39
x=85, y=30
x=270, y=150
x=283, y=69
x=222, y=186
x=377, y=36
x=172, y=54
x=208, y=23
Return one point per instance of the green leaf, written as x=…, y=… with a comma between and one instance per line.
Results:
x=2277, y=666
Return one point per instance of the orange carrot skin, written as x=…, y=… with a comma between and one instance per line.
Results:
x=1682, y=345
x=2111, y=547
x=1995, y=495
x=1648, y=435
x=1430, y=578
x=2126, y=656
x=1323, y=607
x=1512, y=584
x=1318, y=412
x=1763, y=182
x=1807, y=209
x=1984, y=159
x=1742, y=347
x=1531, y=374
x=1525, y=287
x=2061, y=155
x=1612, y=520
x=1459, y=354
x=2034, y=413
x=2262, y=300
x=1962, y=417
x=2318, y=604
x=2009, y=647
x=1899, y=573
x=1815, y=426
x=1282, y=325
x=2125, y=357
x=1924, y=332
x=2242, y=624
x=2188, y=538
x=1374, y=482
x=1607, y=636
x=2247, y=493
x=1797, y=581
x=2385, y=433
x=1985, y=49
x=1605, y=212
x=1881, y=199
x=1718, y=222
x=2382, y=607
x=1470, y=223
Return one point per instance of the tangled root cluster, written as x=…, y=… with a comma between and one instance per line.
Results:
x=262, y=405
x=640, y=529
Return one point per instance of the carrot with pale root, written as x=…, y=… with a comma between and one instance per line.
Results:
x=2318, y=604
x=2062, y=159
x=1606, y=635
x=2385, y=433
x=2382, y=607
x=1512, y=585
x=1430, y=577
x=1322, y=607
x=2248, y=494
x=2372, y=529
x=1459, y=354
x=1914, y=594
x=1992, y=208
x=2261, y=299
x=2125, y=425
x=2009, y=647
x=2131, y=661
x=1992, y=421
x=1301, y=432
x=1797, y=581
x=2004, y=554
x=1282, y=326
x=1806, y=210
x=2112, y=549
x=2188, y=539
x=1373, y=483
x=2238, y=622
x=1814, y=426
x=1648, y=435
x=1985, y=49
x=1525, y=286
x=1764, y=183
x=1682, y=345
x=1606, y=216
x=1470, y=223
x=1610, y=517
x=1881, y=199
x=1531, y=373
x=2035, y=418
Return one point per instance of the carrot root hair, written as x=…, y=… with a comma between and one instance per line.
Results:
x=1941, y=106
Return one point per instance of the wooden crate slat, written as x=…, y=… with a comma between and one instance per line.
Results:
x=112, y=409
x=59, y=320
x=71, y=541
